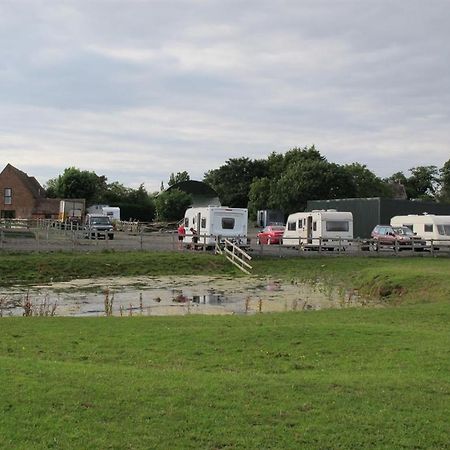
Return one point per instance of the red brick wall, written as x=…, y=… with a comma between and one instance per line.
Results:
x=23, y=202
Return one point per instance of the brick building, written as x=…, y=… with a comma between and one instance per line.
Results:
x=22, y=197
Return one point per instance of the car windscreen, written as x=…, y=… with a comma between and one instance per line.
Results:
x=404, y=231
x=277, y=228
x=100, y=221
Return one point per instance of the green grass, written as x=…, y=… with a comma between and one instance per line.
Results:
x=336, y=379
x=349, y=379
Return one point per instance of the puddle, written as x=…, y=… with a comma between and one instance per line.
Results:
x=162, y=296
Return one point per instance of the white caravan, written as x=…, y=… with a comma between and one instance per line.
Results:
x=213, y=222
x=427, y=226
x=329, y=228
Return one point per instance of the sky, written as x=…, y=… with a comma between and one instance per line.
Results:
x=136, y=90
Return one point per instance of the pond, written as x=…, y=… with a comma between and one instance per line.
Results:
x=161, y=296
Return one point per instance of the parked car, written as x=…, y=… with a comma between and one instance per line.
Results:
x=386, y=235
x=271, y=234
x=98, y=226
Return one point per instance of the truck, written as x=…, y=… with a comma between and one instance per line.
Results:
x=98, y=226
x=71, y=210
x=428, y=226
x=213, y=224
x=328, y=229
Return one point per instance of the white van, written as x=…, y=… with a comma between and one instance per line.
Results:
x=213, y=222
x=427, y=226
x=329, y=228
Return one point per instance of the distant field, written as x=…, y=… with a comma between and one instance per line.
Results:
x=332, y=379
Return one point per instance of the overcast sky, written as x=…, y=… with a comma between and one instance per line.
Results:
x=135, y=90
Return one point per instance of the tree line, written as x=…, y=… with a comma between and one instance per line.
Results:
x=283, y=181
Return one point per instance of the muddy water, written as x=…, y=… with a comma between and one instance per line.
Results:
x=172, y=296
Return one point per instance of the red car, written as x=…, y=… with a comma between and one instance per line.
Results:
x=271, y=234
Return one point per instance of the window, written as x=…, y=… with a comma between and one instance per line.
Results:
x=8, y=214
x=409, y=225
x=444, y=229
x=300, y=223
x=203, y=224
x=337, y=225
x=314, y=226
x=227, y=223
x=428, y=228
x=186, y=221
x=8, y=196
x=291, y=226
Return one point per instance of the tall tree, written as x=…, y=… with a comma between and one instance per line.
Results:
x=366, y=183
x=76, y=183
x=171, y=205
x=178, y=178
x=232, y=180
x=444, y=195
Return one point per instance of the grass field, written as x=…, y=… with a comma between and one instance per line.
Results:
x=335, y=379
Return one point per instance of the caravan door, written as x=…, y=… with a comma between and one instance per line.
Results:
x=309, y=229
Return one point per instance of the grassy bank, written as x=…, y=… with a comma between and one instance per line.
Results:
x=348, y=379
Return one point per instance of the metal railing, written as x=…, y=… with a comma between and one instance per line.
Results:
x=235, y=255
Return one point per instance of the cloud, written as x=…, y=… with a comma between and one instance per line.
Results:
x=137, y=90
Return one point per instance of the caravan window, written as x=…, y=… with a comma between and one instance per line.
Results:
x=444, y=229
x=186, y=221
x=203, y=224
x=409, y=225
x=428, y=228
x=227, y=223
x=291, y=226
x=300, y=223
x=337, y=225
x=314, y=226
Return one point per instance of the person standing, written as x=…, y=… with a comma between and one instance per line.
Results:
x=181, y=234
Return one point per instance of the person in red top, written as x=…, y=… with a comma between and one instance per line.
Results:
x=181, y=235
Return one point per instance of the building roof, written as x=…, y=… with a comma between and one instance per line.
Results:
x=30, y=182
x=202, y=194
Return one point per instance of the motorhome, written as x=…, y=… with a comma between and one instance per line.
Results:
x=328, y=229
x=215, y=223
x=427, y=226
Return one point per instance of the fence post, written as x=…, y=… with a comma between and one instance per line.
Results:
x=320, y=245
x=141, y=239
x=1, y=239
x=396, y=246
x=432, y=247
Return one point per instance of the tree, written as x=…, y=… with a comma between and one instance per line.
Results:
x=444, y=195
x=76, y=183
x=172, y=204
x=178, y=178
x=259, y=195
x=314, y=179
x=366, y=183
x=134, y=204
x=232, y=180
x=423, y=183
